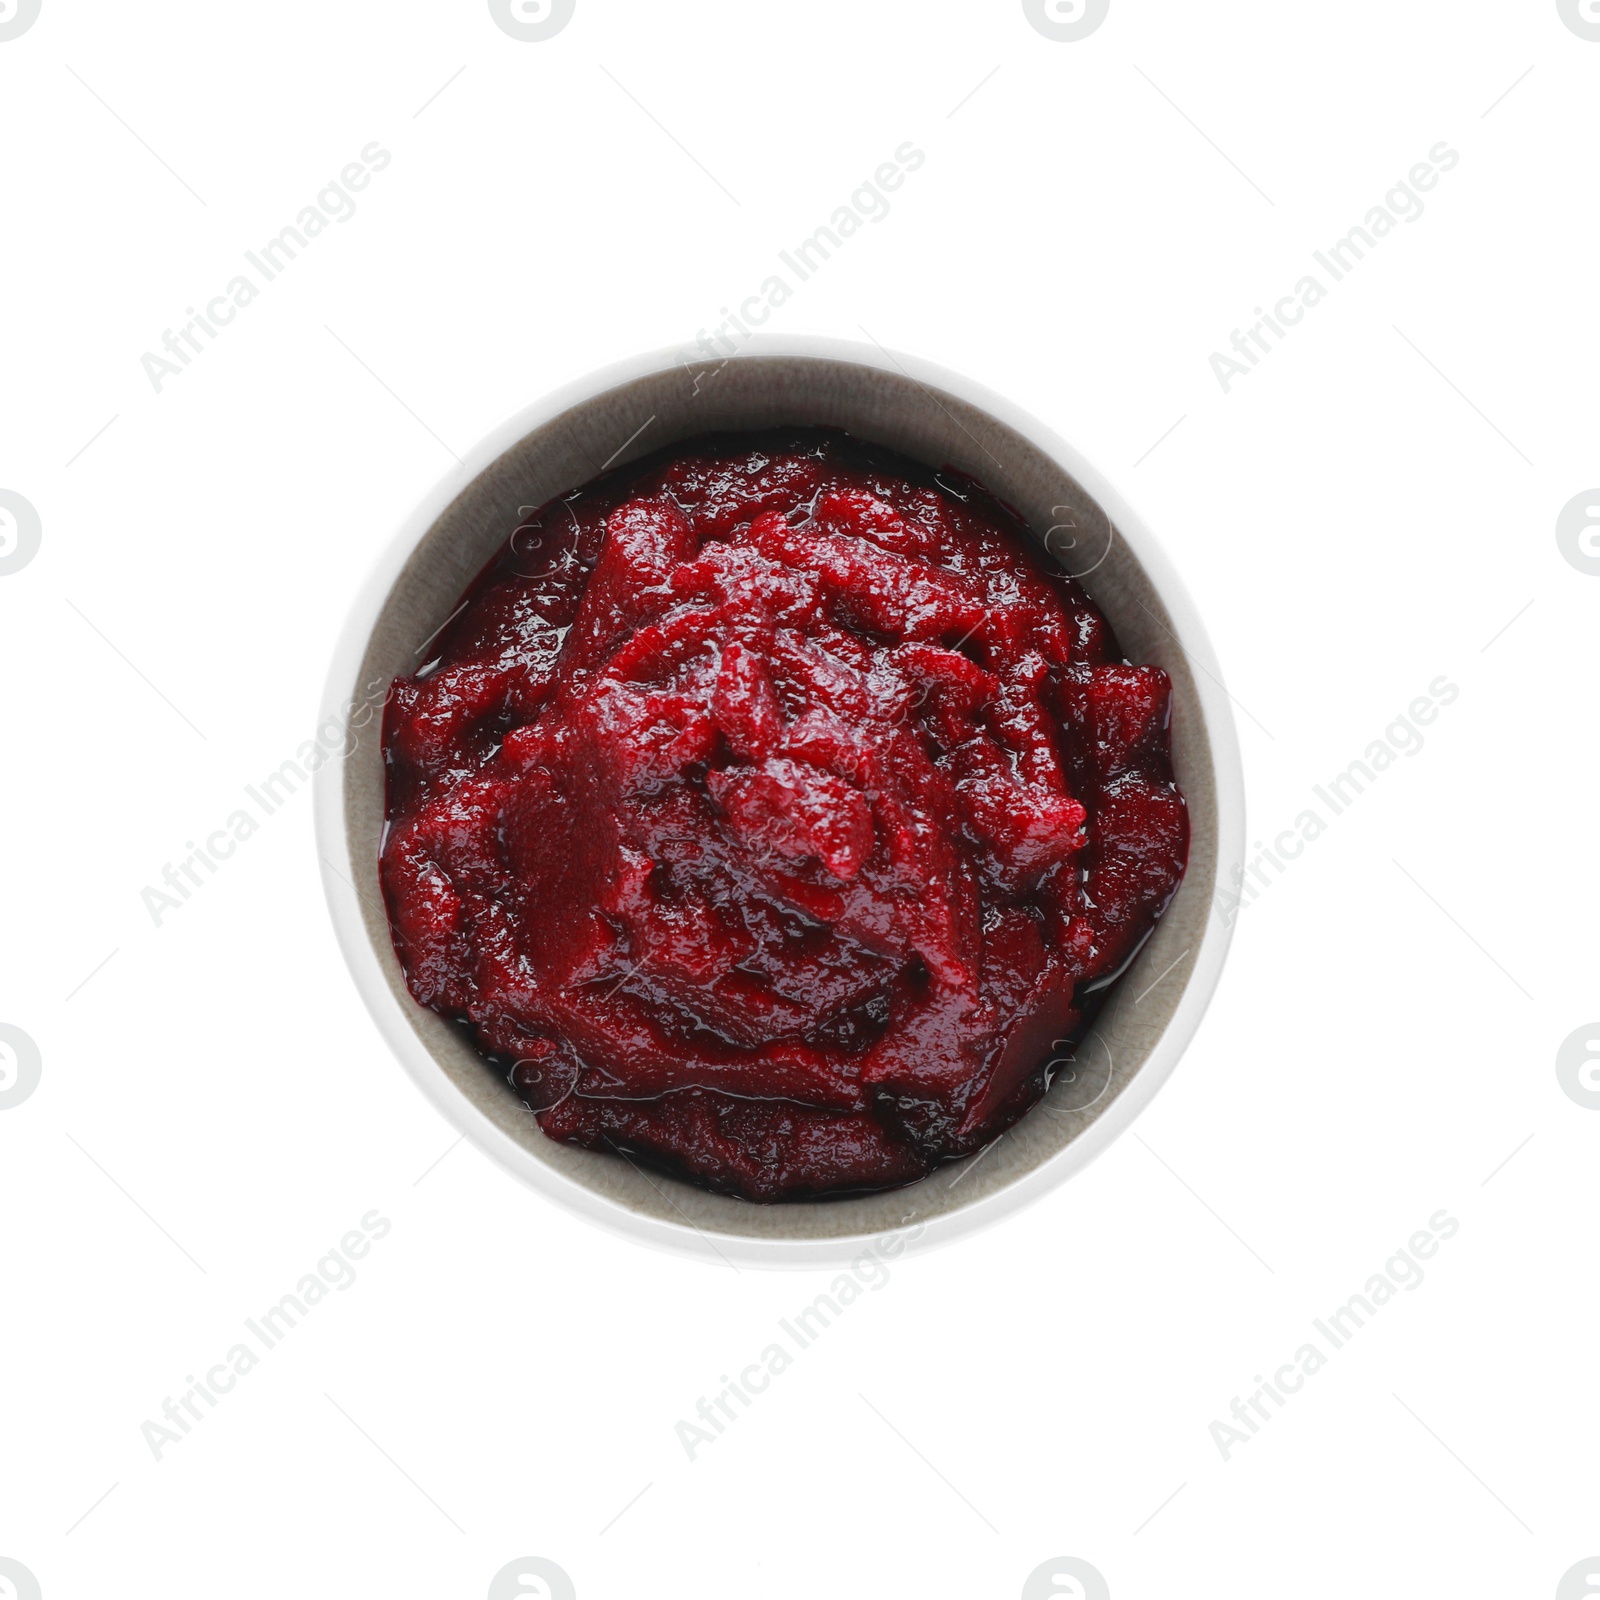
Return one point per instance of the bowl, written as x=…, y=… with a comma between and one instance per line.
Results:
x=931, y=415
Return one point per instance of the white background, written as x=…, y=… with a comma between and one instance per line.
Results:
x=1365, y=512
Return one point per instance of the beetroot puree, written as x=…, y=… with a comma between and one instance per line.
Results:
x=769, y=812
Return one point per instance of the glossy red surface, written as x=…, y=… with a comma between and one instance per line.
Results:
x=772, y=814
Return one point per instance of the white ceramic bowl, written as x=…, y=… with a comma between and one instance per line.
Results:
x=931, y=415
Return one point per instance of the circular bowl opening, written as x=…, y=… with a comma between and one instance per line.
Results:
x=935, y=417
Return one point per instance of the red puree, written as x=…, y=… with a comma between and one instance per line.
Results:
x=771, y=813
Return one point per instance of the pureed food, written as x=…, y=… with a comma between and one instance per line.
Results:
x=774, y=814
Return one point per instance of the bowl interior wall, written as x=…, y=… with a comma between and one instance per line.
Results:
x=897, y=411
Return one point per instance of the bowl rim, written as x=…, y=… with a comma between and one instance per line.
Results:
x=339, y=868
